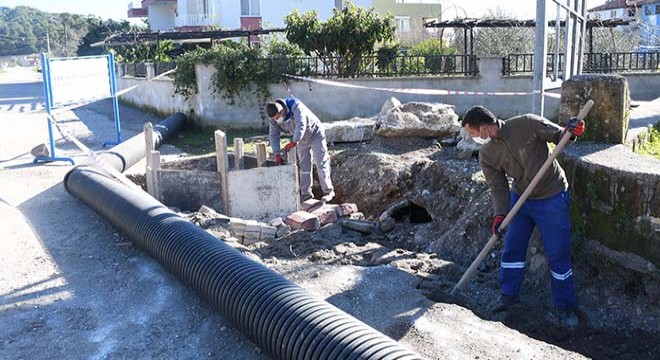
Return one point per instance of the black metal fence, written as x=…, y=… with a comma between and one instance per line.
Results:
x=134, y=69
x=140, y=69
x=514, y=64
x=374, y=66
x=163, y=67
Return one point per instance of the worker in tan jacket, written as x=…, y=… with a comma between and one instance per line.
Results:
x=518, y=148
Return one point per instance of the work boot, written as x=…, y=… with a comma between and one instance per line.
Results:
x=306, y=197
x=328, y=197
x=564, y=316
x=506, y=302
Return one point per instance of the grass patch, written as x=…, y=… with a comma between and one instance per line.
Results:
x=652, y=147
x=200, y=140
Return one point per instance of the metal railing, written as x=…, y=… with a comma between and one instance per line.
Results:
x=162, y=67
x=515, y=64
x=134, y=69
x=373, y=66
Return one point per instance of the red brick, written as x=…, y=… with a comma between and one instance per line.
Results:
x=327, y=213
x=311, y=204
x=302, y=220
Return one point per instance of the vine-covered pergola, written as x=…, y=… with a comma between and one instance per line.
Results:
x=468, y=25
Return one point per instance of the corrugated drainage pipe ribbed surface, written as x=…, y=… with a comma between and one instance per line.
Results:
x=279, y=316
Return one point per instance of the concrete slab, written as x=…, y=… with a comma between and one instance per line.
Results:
x=353, y=130
x=263, y=193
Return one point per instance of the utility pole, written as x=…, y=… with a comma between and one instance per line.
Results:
x=48, y=43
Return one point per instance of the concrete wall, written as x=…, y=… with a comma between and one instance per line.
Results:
x=156, y=95
x=333, y=103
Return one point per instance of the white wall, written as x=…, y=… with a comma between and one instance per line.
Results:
x=273, y=12
x=161, y=17
x=230, y=13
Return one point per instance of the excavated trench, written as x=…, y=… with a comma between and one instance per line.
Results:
x=447, y=216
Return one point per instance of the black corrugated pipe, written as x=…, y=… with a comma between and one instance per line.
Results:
x=129, y=152
x=279, y=316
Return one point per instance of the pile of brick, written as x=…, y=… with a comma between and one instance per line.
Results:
x=316, y=213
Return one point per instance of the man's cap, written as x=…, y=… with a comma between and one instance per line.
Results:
x=272, y=108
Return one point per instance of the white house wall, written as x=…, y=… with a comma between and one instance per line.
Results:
x=230, y=14
x=161, y=17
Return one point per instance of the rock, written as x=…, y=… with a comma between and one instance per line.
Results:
x=537, y=263
x=282, y=230
x=207, y=211
x=418, y=119
x=390, y=104
x=387, y=224
x=352, y=130
x=357, y=216
x=346, y=209
x=40, y=150
x=277, y=222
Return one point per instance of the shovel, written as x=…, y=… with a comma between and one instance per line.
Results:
x=473, y=267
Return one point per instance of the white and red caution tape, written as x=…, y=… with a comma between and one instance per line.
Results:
x=96, y=160
x=419, y=91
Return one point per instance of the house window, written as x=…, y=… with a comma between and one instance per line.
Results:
x=250, y=8
x=632, y=12
x=402, y=24
x=657, y=9
x=612, y=14
x=647, y=10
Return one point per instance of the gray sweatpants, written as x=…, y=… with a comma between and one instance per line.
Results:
x=318, y=150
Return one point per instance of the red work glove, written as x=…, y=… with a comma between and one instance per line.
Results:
x=290, y=146
x=278, y=159
x=495, y=228
x=575, y=126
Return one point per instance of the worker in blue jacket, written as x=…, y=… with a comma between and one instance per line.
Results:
x=291, y=115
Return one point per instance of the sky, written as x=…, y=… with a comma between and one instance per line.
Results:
x=117, y=9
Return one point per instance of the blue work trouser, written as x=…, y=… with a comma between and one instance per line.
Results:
x=550, y=216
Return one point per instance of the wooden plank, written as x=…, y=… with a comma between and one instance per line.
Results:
x=223, y=162
x=239, y=160
x=148, y=140
x=154, y=158
x=148, y=147
x=261, y=154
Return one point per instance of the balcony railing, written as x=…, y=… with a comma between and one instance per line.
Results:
x=515, y=64
x=197, y=20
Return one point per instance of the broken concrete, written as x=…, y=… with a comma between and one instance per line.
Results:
x=347, y=131
x=417, y=119
x=40, y=150
x=607, y=121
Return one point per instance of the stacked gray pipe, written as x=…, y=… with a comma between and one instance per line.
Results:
x=279, y=316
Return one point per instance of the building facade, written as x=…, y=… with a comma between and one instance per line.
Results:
x=167, y=15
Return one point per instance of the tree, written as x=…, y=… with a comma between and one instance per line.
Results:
x=344, y=39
